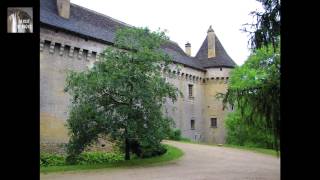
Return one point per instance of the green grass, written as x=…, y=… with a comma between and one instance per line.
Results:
x=253, y=149
x=172, y=153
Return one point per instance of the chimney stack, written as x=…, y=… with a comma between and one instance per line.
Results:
x=63, y=7
x=188, y=48
x=211, y=43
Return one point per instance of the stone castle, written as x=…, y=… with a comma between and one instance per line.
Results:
x=72, y=38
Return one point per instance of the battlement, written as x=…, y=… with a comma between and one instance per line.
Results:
x=61, y=49
x=187, y=76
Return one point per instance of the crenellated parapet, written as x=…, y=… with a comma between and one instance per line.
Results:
x=92, y=56
x=181, y=75
x=216, y=80
x=62, y=49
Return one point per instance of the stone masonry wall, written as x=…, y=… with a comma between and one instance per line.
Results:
x=61, y=52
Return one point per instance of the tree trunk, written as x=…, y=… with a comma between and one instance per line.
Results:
x=127, y=149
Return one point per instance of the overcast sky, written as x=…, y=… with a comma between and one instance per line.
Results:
x=186, y=20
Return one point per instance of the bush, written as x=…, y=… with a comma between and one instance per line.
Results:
x=151, y=151
x=243, y=134
x=47, y=159
x=175, y=134
x=99, y=158
x=145, y=150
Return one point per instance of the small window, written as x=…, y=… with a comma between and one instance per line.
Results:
x=190, y=87
x=220, y=69
x=192, y=124
x=213, y=122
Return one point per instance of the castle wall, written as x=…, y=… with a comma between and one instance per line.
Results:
x=60, y=52
x=203, y=106
x=55, y=60
x=186, y=108
x=216, y=82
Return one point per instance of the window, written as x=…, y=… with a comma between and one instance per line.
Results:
x=220, y=69
x=190, y=90
x=213, y=122
x=192, y=125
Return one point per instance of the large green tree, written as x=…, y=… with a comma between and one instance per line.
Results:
x=254, y=90
x=254, y=87
x=123, y=94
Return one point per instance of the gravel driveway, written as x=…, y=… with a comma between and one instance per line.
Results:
x=199, y=162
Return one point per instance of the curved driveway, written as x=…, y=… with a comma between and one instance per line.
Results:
x=200, y=162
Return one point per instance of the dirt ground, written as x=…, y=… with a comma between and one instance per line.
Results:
x=200, y=162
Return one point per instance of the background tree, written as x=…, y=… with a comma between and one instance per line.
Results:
x=254, y=89
x=253, y=134
x=266, y=29
x=122, y=95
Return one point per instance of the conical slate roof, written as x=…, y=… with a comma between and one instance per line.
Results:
x=222, y=59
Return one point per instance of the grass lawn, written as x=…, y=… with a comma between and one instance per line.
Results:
x=253, y=149
x=172, y=153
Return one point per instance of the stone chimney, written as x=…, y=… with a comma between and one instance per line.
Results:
x=211, y=43
x=63, y=7
x=188, y=48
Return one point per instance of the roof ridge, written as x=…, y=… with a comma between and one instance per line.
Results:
x=201, y=46
x=101, y=14
x=113, y=19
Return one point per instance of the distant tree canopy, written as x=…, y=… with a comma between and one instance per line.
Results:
x=266, y=30
x=122, y=95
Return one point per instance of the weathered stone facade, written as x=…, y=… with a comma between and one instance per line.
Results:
x=61, y=50
x=202, y=106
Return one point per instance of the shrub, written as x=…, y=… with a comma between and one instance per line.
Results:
x=99, y=158
x=175, y=134
x=145, y=149
x=243, y=134
x=151, y=151
x=47, y=159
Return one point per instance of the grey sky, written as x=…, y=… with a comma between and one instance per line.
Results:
x=186, y=20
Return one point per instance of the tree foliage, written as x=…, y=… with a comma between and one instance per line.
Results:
x=123, y=94
x=254, y=90
x=239, y=132
x=254, y=87
x=266, y=29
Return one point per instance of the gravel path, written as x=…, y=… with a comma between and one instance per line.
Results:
x=199, y=162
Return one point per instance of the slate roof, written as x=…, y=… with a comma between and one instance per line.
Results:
x=91, y=24
x=180, y=56
x=222, y=59
x=82, y=21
